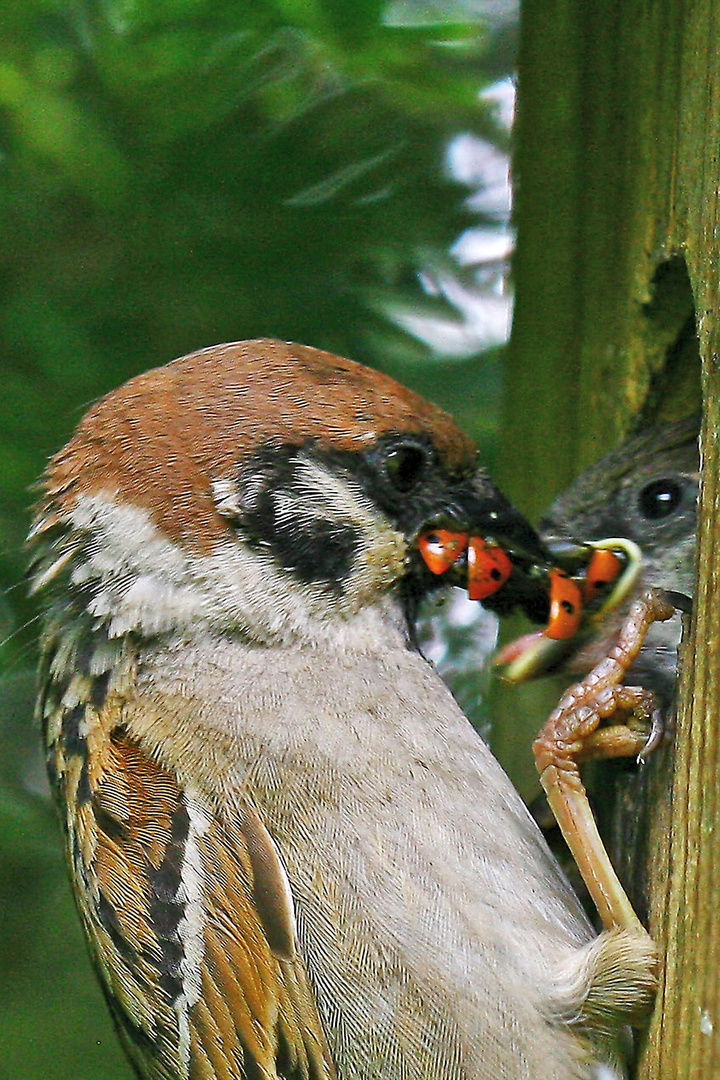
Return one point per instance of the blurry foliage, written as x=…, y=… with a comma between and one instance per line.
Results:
x=178, y=173
x=175, y=173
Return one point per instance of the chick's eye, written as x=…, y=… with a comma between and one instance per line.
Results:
x=660, y=498
x=405, y=466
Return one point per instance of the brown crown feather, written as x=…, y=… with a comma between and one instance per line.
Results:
x=162, y=438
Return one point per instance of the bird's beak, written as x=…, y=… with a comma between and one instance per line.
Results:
x=485, y=545
x=477, y=539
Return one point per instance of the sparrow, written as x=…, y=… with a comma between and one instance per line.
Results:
x=292, y=855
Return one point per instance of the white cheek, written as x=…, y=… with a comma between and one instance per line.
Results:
x=155, y=605
x=139, y=579
x=142, y=582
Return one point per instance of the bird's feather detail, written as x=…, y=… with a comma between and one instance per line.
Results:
x=188, y=914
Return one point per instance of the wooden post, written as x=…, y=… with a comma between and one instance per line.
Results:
x=618, y=182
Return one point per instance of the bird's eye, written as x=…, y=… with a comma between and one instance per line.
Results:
x=405, y=465
x=660, y=498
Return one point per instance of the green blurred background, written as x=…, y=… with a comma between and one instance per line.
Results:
x=175, y=173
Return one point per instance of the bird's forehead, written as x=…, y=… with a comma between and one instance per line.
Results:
x=164, y=437
x=297, y=394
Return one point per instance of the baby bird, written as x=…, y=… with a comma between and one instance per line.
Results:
x=645, y=490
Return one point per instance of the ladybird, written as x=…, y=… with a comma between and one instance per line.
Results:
x=603, y=571
x=489, y=567
x=566, y=606
x=440, y=548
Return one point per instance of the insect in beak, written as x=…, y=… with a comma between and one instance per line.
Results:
x=594, y=579
x=580, y=599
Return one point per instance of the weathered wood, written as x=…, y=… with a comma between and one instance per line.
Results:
x=618, y=169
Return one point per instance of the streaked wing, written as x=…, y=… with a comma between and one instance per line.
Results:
x=188, y=916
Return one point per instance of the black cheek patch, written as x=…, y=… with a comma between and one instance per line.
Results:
x=316, y=551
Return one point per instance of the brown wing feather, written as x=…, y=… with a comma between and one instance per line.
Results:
x=204, y=982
